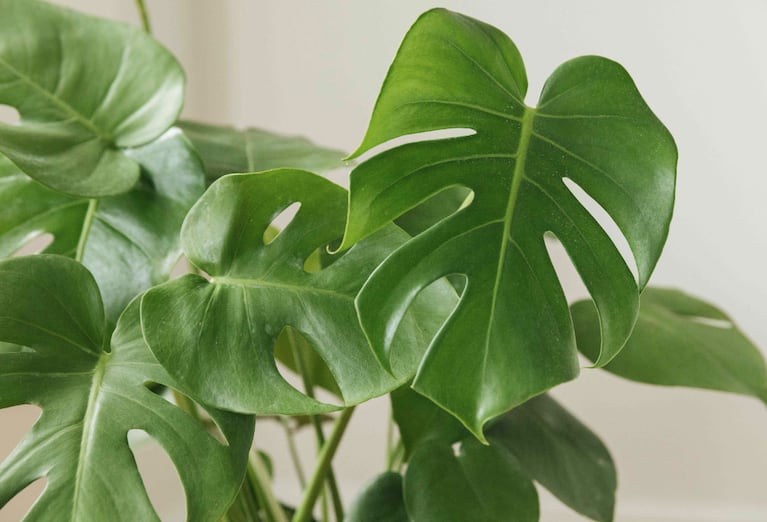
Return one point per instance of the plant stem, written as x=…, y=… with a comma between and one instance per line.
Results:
x=93, y=205
x=259, y=477
x=323, y=466
x=335, y=495
x=290, y=436
x=144, y=16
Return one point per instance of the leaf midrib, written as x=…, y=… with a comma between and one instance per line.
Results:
x=260, y=283
x=62, y=105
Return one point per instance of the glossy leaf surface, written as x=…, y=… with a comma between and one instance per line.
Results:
x=92, y=391
x=380, y=501
x=218, y=336
x=479, y=483
x=680, y=340
x=226, y=150
x=511, y=336
x=129, y=242
x=557, y=450
x=84, y=88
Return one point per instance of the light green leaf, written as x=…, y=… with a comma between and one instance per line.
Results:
x=479, y=483
x=132, y=240
x=217, y=337
x=379, y=501
x=92, y=391
x=84, y=88
x=511, y=336
x=555, y=449
x=680, y=340
x=226, y=150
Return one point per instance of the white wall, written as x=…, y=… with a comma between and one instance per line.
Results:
x=314, y=68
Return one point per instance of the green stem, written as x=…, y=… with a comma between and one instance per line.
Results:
x=93, y=205
x=259, y=477
x=290, y=436
x=335, y=495
x=396, y=457
x=144, y=16
x=304, y=511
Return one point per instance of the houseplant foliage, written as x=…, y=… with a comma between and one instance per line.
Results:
x=429, y=281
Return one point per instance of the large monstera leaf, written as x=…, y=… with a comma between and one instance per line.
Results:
x=84, y=88
x=129, y=242
x=92, y=391
x=218, y=336
x=226, y=150
x=511, y=336
x=680, y=340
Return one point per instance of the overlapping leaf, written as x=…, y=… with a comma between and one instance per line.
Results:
x=218, y=336
x=129, y=242
x=680, y=340
x=380, y=501
x=226, y=150
x=511, y=336
x=92, y=391
x=84, y=88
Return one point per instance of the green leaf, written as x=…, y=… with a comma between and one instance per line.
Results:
x=511, y=336
x=680, y=340
x=92, y=391
x=555, y=449
x=217, y=337
x=379, y=501
x=479, y=483
x=226, y=150
x=420, y=420
x=84, y=88
x=129, y=242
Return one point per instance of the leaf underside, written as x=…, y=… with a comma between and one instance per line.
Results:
x=511, y=335
x=92, y=392
x=84, y=89
x=217, y=336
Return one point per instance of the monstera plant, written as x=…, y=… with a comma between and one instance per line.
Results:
x=429, y=281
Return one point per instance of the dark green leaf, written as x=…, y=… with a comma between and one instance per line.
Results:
x=420, y=420
x=511, y=336
x=133, y=239
x=555, y=449
x=379, y=501
x=217, y=337
x=480, y=483
x=226, y=150
x=680, y=340
x=84, y=88
x=92, y=392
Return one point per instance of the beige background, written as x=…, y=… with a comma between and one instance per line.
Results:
x=314, y=68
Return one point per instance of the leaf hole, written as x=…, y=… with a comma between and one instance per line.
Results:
x=159, y=475
x=434, y=209
x=34, y=244
x=23, y=501
x=322, y=258
x=606, y=222
x=569, y=278
x=9, y=115
x=280, y=222
x=181, y=267
x=17, y=421
x=290, y=342
x=193, y=409
x=435, y=135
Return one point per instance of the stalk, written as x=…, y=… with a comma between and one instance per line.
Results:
x=259, y=477
x=144, y=16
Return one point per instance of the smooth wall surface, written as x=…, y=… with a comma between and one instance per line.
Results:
x=314, y=68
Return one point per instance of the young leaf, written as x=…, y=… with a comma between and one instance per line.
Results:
x=92, y=392
x=555, y=449
x=129, y=242
x=480, y=483
x=84, y=88
x=511, y=336
x=217, y=337
x=680, y=340
x=379, y=501
x=226, y=150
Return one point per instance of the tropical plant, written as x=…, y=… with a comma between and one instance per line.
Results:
x=429, y=281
